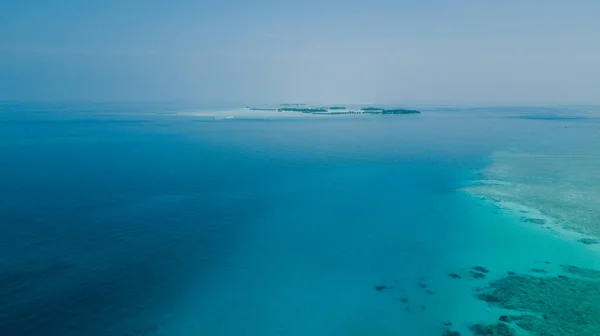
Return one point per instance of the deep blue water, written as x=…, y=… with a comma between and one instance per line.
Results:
x=130, y=221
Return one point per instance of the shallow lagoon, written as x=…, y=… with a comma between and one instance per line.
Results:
x=130, y=221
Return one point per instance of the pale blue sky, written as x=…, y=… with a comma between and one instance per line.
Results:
x=341, y=51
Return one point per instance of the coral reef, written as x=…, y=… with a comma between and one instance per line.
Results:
x=477, y=275
x=454, y=276
x=480, y=269
x=380, y=288
x=537, y=221
x=588, y=241
x=499, y=329
x=549, y=305
x=582, y=272
x=425, y=287
x=449, y=332
x=557, y=179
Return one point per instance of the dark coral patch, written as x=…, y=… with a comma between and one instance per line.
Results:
x=481, y=269
x=380, y=288
x=588, y=241
x=499, y=329
x=554, y=305
x=454, y=276
x=537, y=221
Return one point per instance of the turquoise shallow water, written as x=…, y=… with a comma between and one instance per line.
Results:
x=123, y=221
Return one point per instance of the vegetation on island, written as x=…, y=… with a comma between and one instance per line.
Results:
x=333, y=110
x=390, y=111
x=400, y=111
x=303, y=110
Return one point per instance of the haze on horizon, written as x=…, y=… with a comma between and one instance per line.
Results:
x=267, y=51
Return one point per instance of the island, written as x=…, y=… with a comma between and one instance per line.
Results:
x=400, y=111
x=333, y=110
x=378, y=110
x=303, y=110
x=261, y=109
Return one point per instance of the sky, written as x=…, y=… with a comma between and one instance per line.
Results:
x=469, y=52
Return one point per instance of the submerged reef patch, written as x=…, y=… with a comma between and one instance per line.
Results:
x=380, y=288
x=582, y=272
x=477, y=275
x=537, y=221
x=481, y=269
x=449, y=332
x=499, y=329
x=425, y=287
x=556, y=182
x=588, y=241
x=549, y=305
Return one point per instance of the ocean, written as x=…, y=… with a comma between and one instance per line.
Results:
x=165, y=220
